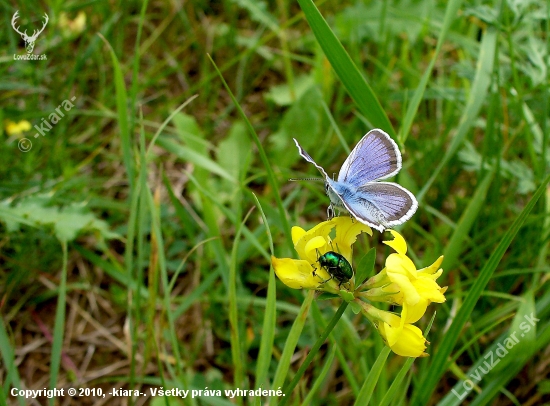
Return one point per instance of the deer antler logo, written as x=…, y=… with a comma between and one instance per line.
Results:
x=29, y=40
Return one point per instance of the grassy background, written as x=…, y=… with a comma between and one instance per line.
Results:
x=136, y=234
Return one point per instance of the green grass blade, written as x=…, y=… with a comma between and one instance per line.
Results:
x=334, y=125
x=128, y=276
x=230, y=215
x=456, y=244
x=343, y=65
x=136, y=59
x=322, y=375
x=349, y=374
x=59, y=325
x=165, y=123
x=134, y=301
x=235, y=336
x=270, y=317
x=345, y=339
x=259, y=14
x=189, y=155
x=496, y=382
x=480, y=87
x=396, y=384
x=372, y=378
x=270, y=174
x=180, y=374
x=459, y=392
x=196, y=294
x=8, y=359
x=291, y=342
x=440, y=359
x=450, y=14
x=153, y=275
x=112, y=269
x=312, y=353
x=122, y=110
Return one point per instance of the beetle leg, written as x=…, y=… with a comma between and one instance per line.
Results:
x=322, y=281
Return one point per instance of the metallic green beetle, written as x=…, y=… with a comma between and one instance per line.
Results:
x=337, y=266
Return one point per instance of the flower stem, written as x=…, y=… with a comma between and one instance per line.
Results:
x=370, y=382
x=314, y=350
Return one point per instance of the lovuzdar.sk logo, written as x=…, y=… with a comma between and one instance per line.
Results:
x=29, y=39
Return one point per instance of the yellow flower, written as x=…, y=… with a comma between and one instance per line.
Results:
x=403, y=338
x=13, y=128
x=72, y=27
x=298, y=274
x=406, y=340
x=418, y=287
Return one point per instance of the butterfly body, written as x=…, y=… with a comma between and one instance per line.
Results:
x=358, y=189
x=337, y=191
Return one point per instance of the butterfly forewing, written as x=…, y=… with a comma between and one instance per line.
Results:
x=375, y=157
x=308, y=158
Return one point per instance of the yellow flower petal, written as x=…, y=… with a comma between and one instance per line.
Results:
x=429, y=289
x=13, y=128
x=312, y=246
x=412, y=283
x=297, y=274
x=411, y=314
x=406, y=341
x=320, y=230
x=402, y=264
x=297, y=233
x=410, y=295
x=347, y=231
x=398, y=243
x=69, y=26
x=376, y=315
x=79, y=23
x=433, y=268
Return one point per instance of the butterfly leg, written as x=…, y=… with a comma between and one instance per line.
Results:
x=330, y=212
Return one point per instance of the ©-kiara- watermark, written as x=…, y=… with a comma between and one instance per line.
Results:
x=29, y=39
x=493, y=358
x=47, y=124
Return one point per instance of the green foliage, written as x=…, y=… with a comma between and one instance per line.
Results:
x=65, y=222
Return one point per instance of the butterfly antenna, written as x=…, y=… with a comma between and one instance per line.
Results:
x=307, y=179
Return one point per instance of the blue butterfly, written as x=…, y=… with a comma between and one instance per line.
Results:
x=380, y=205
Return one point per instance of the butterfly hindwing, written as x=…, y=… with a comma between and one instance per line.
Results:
x=381, y=205
x=376, y=156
